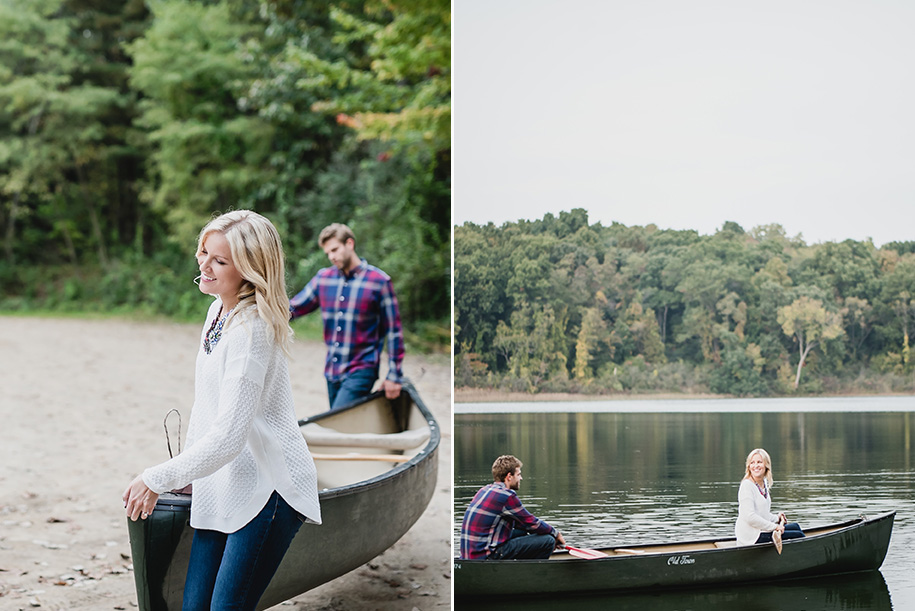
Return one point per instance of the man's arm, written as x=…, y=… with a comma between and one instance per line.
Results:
x=393, y=339
x=514, y=510
x=306, y=301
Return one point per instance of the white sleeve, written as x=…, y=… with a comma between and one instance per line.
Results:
x=239, y=399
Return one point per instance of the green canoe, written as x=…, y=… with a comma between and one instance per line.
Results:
x=377, y=468
x=857, y=545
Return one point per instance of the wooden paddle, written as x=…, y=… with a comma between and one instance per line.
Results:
x=587, y=554
x=777, y=536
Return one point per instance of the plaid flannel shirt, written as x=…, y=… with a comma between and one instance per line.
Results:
x=488, y=523
x=360, y=317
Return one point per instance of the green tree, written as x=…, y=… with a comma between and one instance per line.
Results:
x=534, y=345
x=208, y=154
x=480, y=297
x=859, y=318
x=898, y=295
x=741, y=370
x=52, y=138
x=383, y=71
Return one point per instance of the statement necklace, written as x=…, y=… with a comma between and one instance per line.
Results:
x=762, y=489
x=215, y=331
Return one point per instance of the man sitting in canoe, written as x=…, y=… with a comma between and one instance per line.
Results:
x=496, y=526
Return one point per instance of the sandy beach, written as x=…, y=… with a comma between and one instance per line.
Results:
x=81, y=406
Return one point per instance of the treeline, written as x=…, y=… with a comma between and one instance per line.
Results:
x=124, y=126
x=562, y=305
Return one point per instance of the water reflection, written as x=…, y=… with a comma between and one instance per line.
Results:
x=859, y=591
x=624, y=478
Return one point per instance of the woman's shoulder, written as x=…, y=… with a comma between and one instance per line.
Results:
x=249, y=319
x=249, y=329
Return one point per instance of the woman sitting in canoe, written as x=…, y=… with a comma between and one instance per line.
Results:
x=254, y=479
x=755, y=521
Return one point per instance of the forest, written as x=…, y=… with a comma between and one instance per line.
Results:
x=562, y=305
x=126, y=125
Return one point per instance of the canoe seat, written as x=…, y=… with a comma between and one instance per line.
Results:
x=317, y=435
x=725, y=544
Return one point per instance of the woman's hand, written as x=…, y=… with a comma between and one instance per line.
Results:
x=782, y=518
x=139, y=500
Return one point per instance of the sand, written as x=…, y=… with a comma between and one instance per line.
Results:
x=81, y=410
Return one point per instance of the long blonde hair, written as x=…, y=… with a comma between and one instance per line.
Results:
x=257, y=253
x=766, y=459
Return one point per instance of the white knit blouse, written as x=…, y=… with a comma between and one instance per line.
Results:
x=754, y=513
x=243, y=440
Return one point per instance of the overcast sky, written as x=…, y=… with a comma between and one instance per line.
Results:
x=687, y=114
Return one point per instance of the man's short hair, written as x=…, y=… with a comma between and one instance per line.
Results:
x=504, y=465
x=336, y=230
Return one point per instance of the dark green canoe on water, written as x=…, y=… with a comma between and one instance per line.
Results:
x=377, y=468
x=857, y=545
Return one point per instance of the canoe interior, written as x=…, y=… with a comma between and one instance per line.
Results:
x=377, y=415
x=693, y=546
x=366, y=505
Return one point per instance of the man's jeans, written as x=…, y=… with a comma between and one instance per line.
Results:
x=232, y=571
x=523, y=545
x=356, y=385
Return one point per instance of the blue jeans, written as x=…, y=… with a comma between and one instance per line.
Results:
x=792, y=531
x=524, y=545
x=356, y=385
x=232, y=571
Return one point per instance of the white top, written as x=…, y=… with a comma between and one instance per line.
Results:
x=754, y=513
x=243, y=440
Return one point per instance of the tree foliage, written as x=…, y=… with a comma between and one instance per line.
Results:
x=558, y=304
x=125, y=126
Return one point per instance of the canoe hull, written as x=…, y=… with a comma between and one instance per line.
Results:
x=359, y=522
x=859, y=545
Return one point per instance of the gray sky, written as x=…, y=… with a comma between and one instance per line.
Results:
x=688, y=113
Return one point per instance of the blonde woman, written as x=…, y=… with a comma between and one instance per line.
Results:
x=253, y=477
x=755, y=520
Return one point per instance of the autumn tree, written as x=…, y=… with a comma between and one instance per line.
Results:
x=590, y=343
x=810, y=323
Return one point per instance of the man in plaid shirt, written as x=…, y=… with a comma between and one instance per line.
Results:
x=496, y=526
x=361, y=317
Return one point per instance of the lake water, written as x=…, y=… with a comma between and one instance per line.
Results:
x=621, y=473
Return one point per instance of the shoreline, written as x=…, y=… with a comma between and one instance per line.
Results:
x=486, y=395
